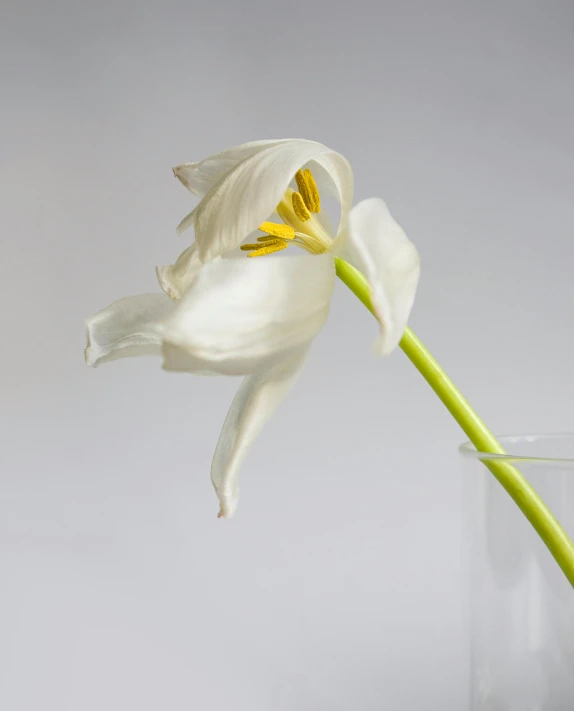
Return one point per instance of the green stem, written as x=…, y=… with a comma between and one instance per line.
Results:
x=511, y=479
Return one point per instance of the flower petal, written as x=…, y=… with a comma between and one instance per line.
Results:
x=186, y=223
x=246, y=195
x=176, y=278
x=128, y=327
x=374, y=243
x=200, y=177
x=242, y=315
x=339, y=183
x=255, y=402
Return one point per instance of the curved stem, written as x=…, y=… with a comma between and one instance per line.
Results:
x=523, y=494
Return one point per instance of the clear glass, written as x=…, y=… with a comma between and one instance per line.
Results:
x=521, y=605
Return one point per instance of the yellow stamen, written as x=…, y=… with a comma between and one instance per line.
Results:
x=308, y=189
x=275, y=230
x=269, y=249
x=269, y=242
x=299, y=207
x=267, y=238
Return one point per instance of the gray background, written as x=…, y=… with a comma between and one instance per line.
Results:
x=338, y=585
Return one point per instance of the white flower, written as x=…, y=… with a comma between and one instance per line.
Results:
x=227, y=314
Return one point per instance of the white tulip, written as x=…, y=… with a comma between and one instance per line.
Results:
x=223, y=313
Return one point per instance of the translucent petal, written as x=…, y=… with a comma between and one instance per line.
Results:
x=376, y=245
x=243, y=315
x=255, y=402
x=200, y=177
x=126, y=328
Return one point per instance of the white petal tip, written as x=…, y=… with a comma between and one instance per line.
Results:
x=164, y=278
x=90, y=353
x=186, y=223
x=90, y=360
x=384, y=345
x=179, y=173
x=227, y=509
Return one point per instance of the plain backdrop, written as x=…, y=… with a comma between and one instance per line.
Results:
x=339, y=583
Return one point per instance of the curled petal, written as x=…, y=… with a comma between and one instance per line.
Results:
x=255, y=402
x=246, y=195
x=128, y=327
x=176, y=278
x=339, y=184
x=242, y=315
x=376, y=245
x=200, y=177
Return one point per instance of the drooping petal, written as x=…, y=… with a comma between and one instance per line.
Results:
x=242, y=315
x=376, y=245
x=200, y=177
x=128, y=327
x=176, y=278
x=255, y=402
x=246, y=195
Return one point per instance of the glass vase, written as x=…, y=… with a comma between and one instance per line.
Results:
x=521, y=605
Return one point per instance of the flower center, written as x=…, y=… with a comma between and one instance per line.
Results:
x=298, y=210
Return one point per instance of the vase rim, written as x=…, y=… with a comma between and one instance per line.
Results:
x=467, y=449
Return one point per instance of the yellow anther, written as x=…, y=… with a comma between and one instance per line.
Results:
x=267, y=238
x=247, y=247
x=269, y=249
x=270, y=241
x=275, y=230
x=299, y=207
x=308, y=189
